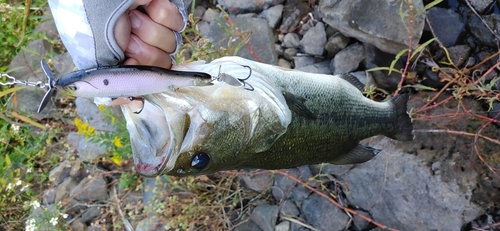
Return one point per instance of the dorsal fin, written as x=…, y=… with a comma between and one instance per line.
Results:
x=353, y=80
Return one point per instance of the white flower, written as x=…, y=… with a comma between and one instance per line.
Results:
x=29, y=170
x=24, y=187
x=30, y=225
x=19, y=182
x=65, y=216
x=53, y=221
x=9, y=186
x=15, y=128
x=35, y=204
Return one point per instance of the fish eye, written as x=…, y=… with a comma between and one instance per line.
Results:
x=200, y=161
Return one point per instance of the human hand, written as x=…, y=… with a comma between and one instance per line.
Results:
x=148, y=39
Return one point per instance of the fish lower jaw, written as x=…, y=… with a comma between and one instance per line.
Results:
x=150, y=170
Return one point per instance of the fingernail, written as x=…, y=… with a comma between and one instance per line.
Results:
x=135, y=22
x=133, y=47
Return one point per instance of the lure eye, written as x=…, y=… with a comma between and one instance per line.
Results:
x=200, y=161
x=72, y=87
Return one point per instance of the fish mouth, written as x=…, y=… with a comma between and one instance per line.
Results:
x=156, y=134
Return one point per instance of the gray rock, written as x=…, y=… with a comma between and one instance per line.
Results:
x=362, y=20
x=76, y=169
x=78, y=225
x=320, y=68
x=358, y=222
x=49, y=196
x=299, y=192
x=89, y=112
x=302, y=61
x=291, y=40
x=459, y=54
x=314, y=209
x=150, y=224
x=410, y=188
x=283, y=185
x=348, y=59
x=91, y=213
x=248, y=225
x=279, y=49
x=272, y=15
x=47, y=26
x=290, y=21
x=306, y=26
x=60, y=173
x=330, y=169
x=258, y=181
x=481, y=32
x=494, y=113
x=377, y=58
x=284, y=63
x=446, y=25
x=237, y=6
x=198, y=13
x=335, y=43
x=289, y=53
x=90, y=189
x=87, y=151
x=283, y=226
x=63, y=64
x=203, y=28
x=265, y=216
x=210, y=15
x=261, y=38
x=64, y=188
x=289, y=209
x=314, y=40
x=481, y=5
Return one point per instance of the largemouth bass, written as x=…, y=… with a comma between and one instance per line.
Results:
x=287, y=119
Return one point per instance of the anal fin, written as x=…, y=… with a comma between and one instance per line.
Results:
x=359, y=154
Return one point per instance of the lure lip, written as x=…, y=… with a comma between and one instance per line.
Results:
x=51, y=83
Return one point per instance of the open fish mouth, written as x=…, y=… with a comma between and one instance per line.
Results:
x=153, y=138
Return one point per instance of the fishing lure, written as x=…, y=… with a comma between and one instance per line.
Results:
x=233, y=81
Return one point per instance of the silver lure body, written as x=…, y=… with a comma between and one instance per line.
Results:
x=125, y=81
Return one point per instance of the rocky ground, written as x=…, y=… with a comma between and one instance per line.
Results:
x=441, y=181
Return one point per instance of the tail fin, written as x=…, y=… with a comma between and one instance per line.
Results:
x=403, y=127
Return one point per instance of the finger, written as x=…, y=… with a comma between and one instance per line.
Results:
x=165, y=13
x=138, y=3
x=122, y=31
x=152, y=33
x=141, y=53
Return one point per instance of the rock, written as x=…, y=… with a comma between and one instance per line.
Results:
x=481, y=5
x=284, y=63
x=78, y=225
x=289, y=53
x=283, y=226
x=47, y=26
x=299, y=192
x=335, y=43
x=203, y=28
x=198, y=13
x=291, y=40
x=247, y=226
x=362, y=20
x=320, y=68
x=150, y=224
x=49, y=196
x=289, y=209
x=257, y=181
x=302, y=61
x=89, y=112
x=91, y=213
x=63, y=64
x=377, y=58
x=358, y=222
x=447, y=205
x=236, y=6
x=314, y=209
x=348, y=59
x=210, y=15
x=494, y=113
x=272, y=15
x=459, y=54
x=290, y=21
x=330, y=169
x=76, y=169
x=314, y=40
x=261, y=38
x=90, y=189
x=265, y=216
x=87, y=151
x=60, y=173
x=480, y=32
x=306, y=26
x=283, y=185
x=446, y=24
x=64, y=188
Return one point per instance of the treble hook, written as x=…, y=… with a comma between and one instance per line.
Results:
x=237, y=82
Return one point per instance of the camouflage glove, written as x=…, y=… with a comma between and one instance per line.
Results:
x=87, y=27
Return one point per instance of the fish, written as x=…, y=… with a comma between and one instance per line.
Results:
x=121, y=81
x=289, y=118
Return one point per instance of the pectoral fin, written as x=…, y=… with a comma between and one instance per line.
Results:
x=358, y=154
x=296, y=104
